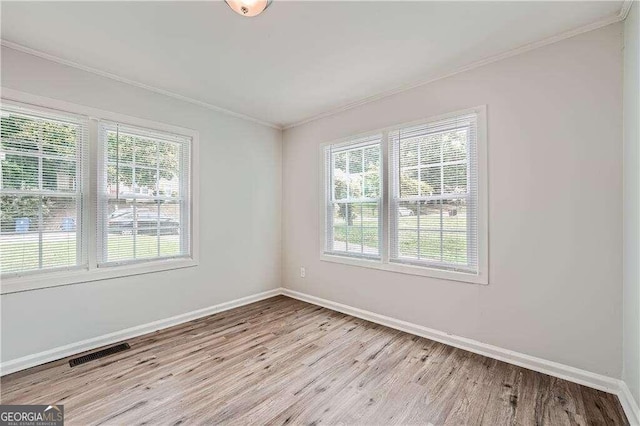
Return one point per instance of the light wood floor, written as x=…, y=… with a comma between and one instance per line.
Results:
x=282, y=361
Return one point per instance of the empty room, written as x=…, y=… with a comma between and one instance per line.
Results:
x=251, y=212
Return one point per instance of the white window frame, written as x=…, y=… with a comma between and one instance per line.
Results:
x=330, y=194
x=80, y=194
x=103, y=200
x=44, y=279
x=482, y=276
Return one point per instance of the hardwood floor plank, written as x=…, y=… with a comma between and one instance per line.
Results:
x=282, y=361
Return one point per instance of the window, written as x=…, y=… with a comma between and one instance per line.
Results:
x=42, y=161
x=354, y=202
x=434, y=212
x=88, y=194
x=144, y=195
x=431, y=209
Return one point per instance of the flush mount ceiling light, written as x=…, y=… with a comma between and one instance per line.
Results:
x=248, y=7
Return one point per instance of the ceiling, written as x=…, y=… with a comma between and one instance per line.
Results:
x=296, y=60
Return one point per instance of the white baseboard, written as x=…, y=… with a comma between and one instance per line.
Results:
x=572, y=374
x=60, y=352
x=629, y=404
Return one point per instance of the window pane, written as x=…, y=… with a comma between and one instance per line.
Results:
x=120, y=230
x=340, y=220
x=340, y=161
x=407, y=215
x=355, y=186
x=19, y=240
x=120, y=146
x=408, y=244
x=454, y=247
x=455, y=179
x=170, y=154
x=430, y=181
x=146, y=152
x=58, y=175
x=370, y=228
x=454, y=215
x=408, y=153
x=146, y=181
x=454, y=145
x=430, y=245
x=19, y=132
x=170, y=221
x=59, y=227
x=409, y=183
x=355, y=161
x=59, y=138
x=19, y=252
x=372, y=172
x=354, y=239
x=340, y=185
x=120, y=180
x=20, y=172
x=355, y=228
x=430, y=215
x=147, y=242
x=430, y=149
x=21, y=234
x=153, y=230
x=112, y=146
x=168, y=184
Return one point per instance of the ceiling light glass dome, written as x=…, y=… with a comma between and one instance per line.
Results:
x=248, y=7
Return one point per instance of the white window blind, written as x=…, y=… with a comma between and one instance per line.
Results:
x=43, y=157
x=353, y=197
x=144, y=195
x=434, y=199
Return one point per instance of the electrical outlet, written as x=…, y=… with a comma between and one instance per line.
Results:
x=303, y=272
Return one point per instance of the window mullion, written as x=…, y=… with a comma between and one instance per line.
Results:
x=40, y=239
x=329, y=199
x=40, y=198
x=158, y=193
x=94, y=175
x=441, y=203
x=134, y=229
x=385, y=188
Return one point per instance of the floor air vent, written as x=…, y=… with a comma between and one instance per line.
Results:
x=100, y=354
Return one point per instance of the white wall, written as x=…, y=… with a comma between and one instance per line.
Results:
x=631, y=199
x=555, y=185
x=240, y=180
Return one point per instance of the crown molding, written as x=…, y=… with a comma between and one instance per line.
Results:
x=43, y=55
x=621, y=16
x=624, y=10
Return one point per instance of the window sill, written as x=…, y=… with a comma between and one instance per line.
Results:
x=408, y=269
x=37, y=280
